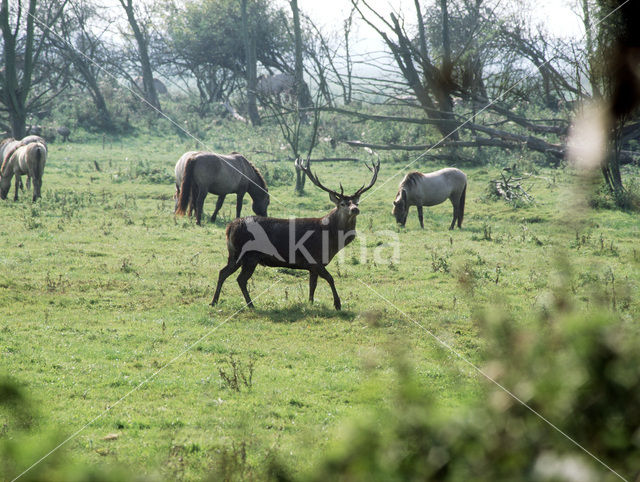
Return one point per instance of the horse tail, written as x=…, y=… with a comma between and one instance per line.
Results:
x=461, y=206
x=39, y=155
x=188, y=185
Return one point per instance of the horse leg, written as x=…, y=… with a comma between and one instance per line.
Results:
x=37, y=186
x=239, y=204
x=419, y=207
x=248, y=267
x=231, y=267
x=199, y=205
x=218, y=206
x=455, y=215
x=18, y=184
x=324, y=274
x=313, y=282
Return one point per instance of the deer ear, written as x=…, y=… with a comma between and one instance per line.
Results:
x=334, y=198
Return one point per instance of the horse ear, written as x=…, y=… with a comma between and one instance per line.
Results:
x=404, y=195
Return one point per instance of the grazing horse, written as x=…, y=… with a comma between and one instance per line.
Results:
x=199, y=173
x=8, y=147
x=27, y=159
x=419, y=189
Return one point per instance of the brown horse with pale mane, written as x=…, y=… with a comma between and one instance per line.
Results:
x=199, y=173
x=9, y=145
x=26, y=159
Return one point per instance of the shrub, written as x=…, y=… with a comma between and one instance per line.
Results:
x=579, y=370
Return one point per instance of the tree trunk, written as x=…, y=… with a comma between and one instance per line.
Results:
x=443, y=77
x=251, y=64
x=348, y=89
x=94, y=90
x=301, y=94
x=16, y=87
x=614, y=178
x=143, y=52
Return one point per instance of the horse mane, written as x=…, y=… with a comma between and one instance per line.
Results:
x=6, y=140
x=259, y=179
x=7, y=156
x=411, y=179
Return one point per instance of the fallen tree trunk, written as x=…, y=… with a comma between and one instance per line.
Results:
x=555, y=150
x=512, y=139
x=322, y=159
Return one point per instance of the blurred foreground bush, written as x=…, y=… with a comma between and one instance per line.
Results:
x=580, y=371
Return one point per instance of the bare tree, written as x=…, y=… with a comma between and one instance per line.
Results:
x=444, y=59
x=84, y=49
x=296, y=131
x=248, y=33
x=22, y=51
x=141, y=37
x=301, y=94
x=327, y=55
x=431, y=84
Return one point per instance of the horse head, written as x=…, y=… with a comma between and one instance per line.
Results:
x=400, y=208
x=260, y=201
x=5, y=184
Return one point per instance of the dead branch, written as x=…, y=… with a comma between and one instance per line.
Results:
x=509, y=186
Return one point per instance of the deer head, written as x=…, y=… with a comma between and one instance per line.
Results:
x=346, y=205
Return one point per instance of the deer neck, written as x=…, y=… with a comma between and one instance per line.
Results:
x=340, y=221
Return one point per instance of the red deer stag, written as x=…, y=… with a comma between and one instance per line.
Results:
x=298, y=243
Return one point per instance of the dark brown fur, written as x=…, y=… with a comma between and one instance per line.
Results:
x=322, y=239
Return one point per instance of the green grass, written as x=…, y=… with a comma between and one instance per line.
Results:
x=102, y=289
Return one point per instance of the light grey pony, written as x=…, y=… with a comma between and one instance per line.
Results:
x=420, y=189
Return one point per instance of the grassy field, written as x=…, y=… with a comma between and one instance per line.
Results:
x=104, y=304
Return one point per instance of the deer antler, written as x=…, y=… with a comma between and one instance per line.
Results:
x=304, y=167
x=375, y=169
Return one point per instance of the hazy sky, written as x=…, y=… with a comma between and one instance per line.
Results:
x=556, y=15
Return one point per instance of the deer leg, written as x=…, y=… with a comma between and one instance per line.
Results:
x=248, y=267
x=199, y=205
x=420, y=218
x=324, y=274
x=231, y=267
x=218, y=206
x=313, y=282
x=239, y=204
